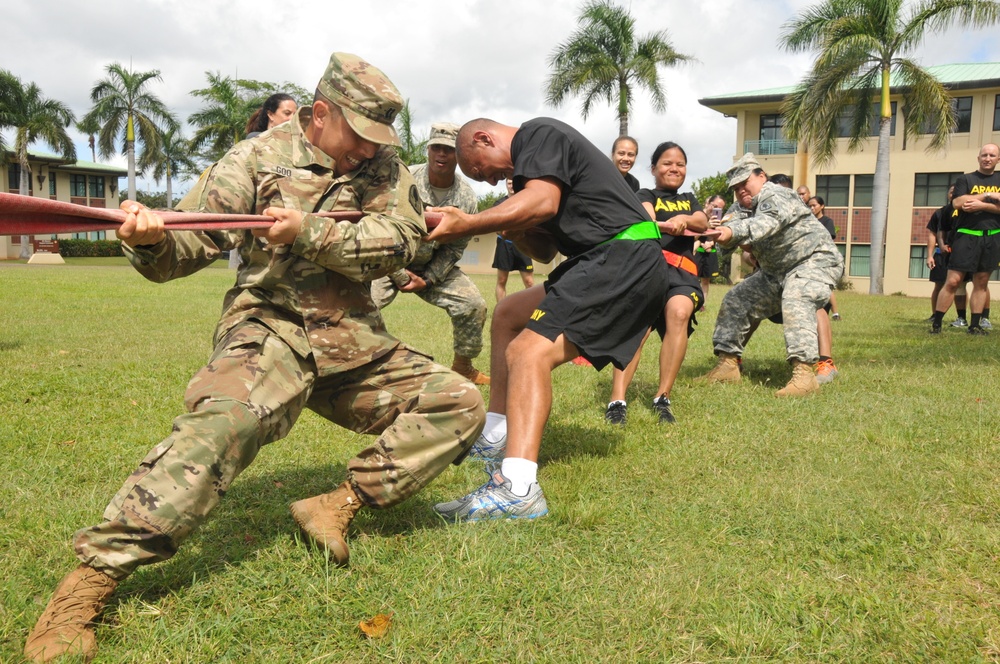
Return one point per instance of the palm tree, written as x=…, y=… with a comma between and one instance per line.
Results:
x=165, y=160
x=34, y=118
x=126, y=110
x=222, y=122
x=413, y=150
x=863, y=45
x=605, y=60
x=91, y=127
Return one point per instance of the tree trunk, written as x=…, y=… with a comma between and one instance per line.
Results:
x=24, y=188
x=130, y=150
x=880, y=207
x=170, y=197
x=622, y=108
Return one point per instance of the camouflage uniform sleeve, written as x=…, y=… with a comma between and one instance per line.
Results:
x=386, y=238
x=225, y=187
x=766, y=220
x=446, y=256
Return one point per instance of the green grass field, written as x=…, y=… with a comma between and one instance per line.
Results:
x=857, y=525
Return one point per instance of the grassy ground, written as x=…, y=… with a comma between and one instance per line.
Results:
x=858, y=525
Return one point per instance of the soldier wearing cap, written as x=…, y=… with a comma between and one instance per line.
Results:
x=799, y=266
x=298, y=330
x=434, y=275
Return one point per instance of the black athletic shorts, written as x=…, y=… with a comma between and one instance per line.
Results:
x=972, y=253
x=685, y=284
x=509, y=259
x=939, y=273
x=605, y=300
x=708, y=264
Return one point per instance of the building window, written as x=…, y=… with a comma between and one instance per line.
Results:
x=78, y=185
x=931, y=189
x=52, y=184
x=834, y=189
x=97, y=186
x=772, y=127
x=846, y=120
x=918, y=262
x=996, y=113
x=14, y=177
x=963, y=111
x=863, y=185
x=963, y=117
x=860, y=260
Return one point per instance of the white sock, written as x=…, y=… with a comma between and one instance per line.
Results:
x=621, y=401
x=496, y=427
x=521, y=473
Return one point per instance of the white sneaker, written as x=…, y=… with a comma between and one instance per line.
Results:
x=985, y=324
x=959, y=322
x=495, y=500
x=485, y=450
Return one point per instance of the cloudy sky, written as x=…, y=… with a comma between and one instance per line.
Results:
x=453, y=59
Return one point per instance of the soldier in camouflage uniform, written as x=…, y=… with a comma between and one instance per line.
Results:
x=799, y=265
x=299, y=330
x=433, y=275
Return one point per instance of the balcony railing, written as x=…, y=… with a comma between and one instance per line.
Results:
x=781, y=146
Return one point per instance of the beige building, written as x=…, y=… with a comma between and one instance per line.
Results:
x=58, y=179
x=918, y=183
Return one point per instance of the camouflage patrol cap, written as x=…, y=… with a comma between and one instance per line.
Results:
x=741, y=170
x=443, y=133
x=367, y=97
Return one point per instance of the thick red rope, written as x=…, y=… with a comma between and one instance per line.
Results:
x=27, y=215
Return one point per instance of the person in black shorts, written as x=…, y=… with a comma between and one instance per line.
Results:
x=570, y=198
x=939, y=232
x=507, y=259
x=976, y=248
x=674, y=213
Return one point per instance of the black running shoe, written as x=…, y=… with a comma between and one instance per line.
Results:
x=661, y=405
x=978, y=331
x=617, y=413
x=936, y=329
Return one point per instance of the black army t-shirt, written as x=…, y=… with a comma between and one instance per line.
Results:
x=597, y=203
x=667, y=204
x=977, y=183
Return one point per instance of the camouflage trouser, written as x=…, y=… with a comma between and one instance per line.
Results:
x=458, y=296
x=759, y=296
x=250, y=394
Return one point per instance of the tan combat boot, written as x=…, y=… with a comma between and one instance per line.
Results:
x=802, y=383
x=325, y=518
x=726, y=371
x=66, y=625
x=463, y=367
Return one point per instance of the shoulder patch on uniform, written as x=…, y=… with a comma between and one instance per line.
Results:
x=766, y=205
x=415, y=201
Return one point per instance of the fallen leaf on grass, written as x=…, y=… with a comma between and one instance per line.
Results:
x=376, y=627
x=68, y=442
x=64, y=352
x=134, y=402
x=279, y=485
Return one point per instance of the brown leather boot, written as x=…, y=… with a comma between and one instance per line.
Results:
x=463, y=367
x=802, y=383
x=325, y=518
x=66, y=625
x=726, y=371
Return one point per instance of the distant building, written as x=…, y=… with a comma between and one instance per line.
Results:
x=919, y=180
x=58, y=179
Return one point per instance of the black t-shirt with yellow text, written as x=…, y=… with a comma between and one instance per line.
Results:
x=597, y=203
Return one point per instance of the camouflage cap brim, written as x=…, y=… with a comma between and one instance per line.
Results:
x=376, y=132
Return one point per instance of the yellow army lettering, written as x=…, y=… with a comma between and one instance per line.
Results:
x=537, y=314
x=672, y=206
x=983, y=189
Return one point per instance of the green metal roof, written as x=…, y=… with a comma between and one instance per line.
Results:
x=955, y=76
x=64, y=164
